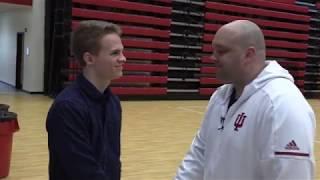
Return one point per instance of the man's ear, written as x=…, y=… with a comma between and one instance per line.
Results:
x=88, y=58
x=250, y=53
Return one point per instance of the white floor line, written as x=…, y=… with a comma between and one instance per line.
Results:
x=190, y=110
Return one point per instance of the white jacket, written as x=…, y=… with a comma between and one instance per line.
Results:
x=268, y=133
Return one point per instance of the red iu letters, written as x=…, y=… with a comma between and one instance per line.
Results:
x=238, y=123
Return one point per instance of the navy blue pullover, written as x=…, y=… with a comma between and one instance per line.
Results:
x=84, y=128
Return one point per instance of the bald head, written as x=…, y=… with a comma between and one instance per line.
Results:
x=243, y=33
x=239, y=51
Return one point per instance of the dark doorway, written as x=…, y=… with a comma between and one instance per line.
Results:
x=19, y=60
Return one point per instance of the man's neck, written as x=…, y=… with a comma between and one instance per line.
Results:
x=240, y=85
x=101, y=85
x=239, y=89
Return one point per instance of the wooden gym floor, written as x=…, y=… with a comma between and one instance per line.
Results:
x=155, y=136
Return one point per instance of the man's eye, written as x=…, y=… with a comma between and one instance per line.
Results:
x=115, y=53
x=221, y=51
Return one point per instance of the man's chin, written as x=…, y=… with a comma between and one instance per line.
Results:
x=117, y=76
x=223, y=79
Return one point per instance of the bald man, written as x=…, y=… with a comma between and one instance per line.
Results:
x=258, y=126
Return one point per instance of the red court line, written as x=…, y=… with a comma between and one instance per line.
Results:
x=127, y=5
x=256, y=11
x=138, y=91
x=120, y=17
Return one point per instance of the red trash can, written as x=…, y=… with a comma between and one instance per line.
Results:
x=4, y=108
x=8, y=125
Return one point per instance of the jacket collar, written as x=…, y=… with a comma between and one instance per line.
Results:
x=91, y=91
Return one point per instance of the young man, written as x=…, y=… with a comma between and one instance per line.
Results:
x=84, y=122
x=257, y=127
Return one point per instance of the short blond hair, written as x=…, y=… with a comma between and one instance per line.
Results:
x=87, y=37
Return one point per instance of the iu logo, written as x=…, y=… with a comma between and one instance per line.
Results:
x=239, y=121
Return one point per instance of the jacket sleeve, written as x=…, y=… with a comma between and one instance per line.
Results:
x=69, y=143
x=192, y=167
x=287, y=141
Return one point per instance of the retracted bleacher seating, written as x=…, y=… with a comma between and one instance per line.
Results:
x=285, y=25
x=168, y=42
x=146, y=37
x=312, y=74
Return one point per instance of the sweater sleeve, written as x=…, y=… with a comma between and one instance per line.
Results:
x=192, y=166
x=287, y=141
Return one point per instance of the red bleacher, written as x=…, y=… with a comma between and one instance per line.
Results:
x=18, y=2
x=261, y=22
x=271, y=53
x=208, y=70
x=142, y=38
x=145, y=44
x=213, y=70
x=284, y=24
x=256, y=11
x=148, y=27
x=146, y=67
x=267, y=33
x=126, y=5
x=266, y=4
x=269, y=43
x=146, y=55
x=120, y=17
x=206, y=91
x=285, y=1
x=165, y=1
x=139, y=31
